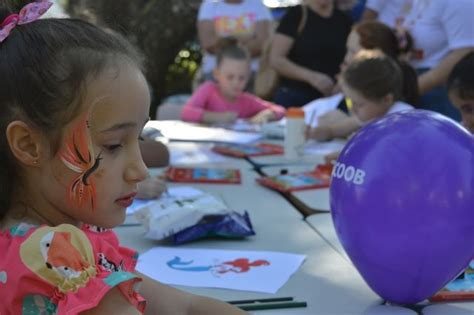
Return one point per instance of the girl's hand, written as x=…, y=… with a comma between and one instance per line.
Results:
x=262, y=117
x=321, y=133
x=228, y=117
x=151, y=188
x=219, y=117
x=321, y=82
x=332, y=117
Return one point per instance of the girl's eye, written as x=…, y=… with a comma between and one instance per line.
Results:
x=112, y=147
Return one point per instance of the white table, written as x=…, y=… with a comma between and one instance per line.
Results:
x=461, y=308
x=323, y=225
x=313, y=154
x=201, y=154
x=329, y=283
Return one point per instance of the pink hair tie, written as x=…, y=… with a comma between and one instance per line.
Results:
x=29, y=13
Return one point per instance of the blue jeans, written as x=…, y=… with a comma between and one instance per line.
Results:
x=437, y=100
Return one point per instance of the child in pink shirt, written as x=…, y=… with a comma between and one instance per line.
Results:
x=225, y=101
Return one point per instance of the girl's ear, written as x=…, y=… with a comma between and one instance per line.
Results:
x=25, y=143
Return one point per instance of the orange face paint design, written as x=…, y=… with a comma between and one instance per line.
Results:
x=78, y=155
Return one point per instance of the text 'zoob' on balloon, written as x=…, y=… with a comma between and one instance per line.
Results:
x=348, y=173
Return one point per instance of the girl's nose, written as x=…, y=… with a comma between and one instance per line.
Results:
x=136, y=170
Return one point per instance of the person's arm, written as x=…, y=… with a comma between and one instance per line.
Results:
x=279, y=50
x=439, y=74
x=369, y=15
x=263, y=116
x=260, y=110
x=254, y=44
x=332, y=117
x=154, y=153
x=151, y=188
x=340, y=129
x=194, y=108
x=163, y=299
x=207, y=36
x=113, y=303
x=456, y=20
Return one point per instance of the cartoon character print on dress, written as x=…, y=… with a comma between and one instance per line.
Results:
x=95, y=229
x=109, y=265
x=3, y=277
x=78, y=155
x=38, y=305
x=61, y=255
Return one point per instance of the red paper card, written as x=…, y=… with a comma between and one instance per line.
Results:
x=248, y=150
x=203, y=175
x=318, y=178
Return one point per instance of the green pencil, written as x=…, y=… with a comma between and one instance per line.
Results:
x=263, y=300
x=270, y=306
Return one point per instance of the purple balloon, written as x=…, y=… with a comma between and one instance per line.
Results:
x=402, y=203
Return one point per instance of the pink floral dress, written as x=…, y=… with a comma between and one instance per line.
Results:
x=63, y=269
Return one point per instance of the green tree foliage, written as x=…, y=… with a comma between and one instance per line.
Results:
x=164, y=30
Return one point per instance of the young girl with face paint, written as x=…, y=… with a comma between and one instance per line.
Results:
x=73, y=103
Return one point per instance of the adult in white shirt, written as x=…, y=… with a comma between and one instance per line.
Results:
x=443, y=33
x=247, y=20
x=388, y=12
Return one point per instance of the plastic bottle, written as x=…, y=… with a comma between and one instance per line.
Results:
x=294, y=133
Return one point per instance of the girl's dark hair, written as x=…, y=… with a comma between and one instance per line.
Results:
x=374, y=75
x=44, y=67
x=229, y=48
x=461, y=78
x=376, y=35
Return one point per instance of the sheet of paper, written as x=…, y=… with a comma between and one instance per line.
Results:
x=179, y=130
x=184, y=192
x=258, y=271
x=323, y=148
x=138, y=204
x=241, y=125
x=173, y=213
x=182, y=153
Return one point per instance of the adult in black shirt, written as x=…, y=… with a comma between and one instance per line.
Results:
x=308, y=58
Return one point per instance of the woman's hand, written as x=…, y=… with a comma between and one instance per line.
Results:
x=151, y=188
x=322, y=82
